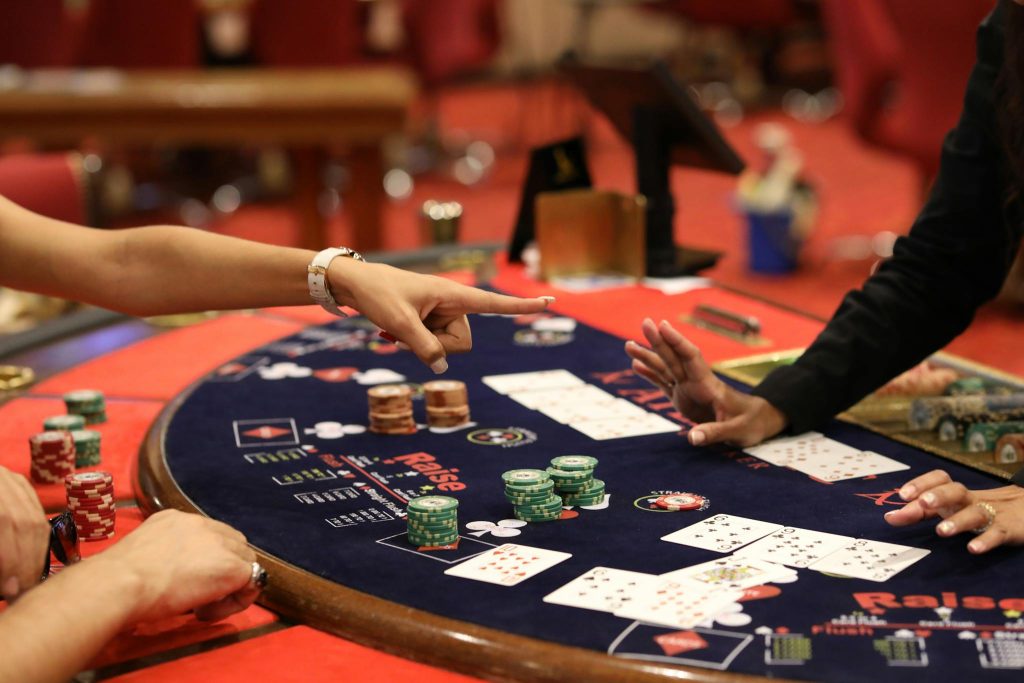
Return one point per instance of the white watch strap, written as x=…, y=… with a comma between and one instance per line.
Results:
x=316, y=277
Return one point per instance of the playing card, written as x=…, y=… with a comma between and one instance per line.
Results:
x=620, y=427
x=508, y=565
x=871, y=560
x=678, y=604
x=722, y=533
x=557, y=396
x=602, y=589
x=731, y=572
x=532, y=381
x=795, y=547
x=781, y=451
x=840, y=465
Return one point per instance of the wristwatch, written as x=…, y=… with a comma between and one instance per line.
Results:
x=316, y=277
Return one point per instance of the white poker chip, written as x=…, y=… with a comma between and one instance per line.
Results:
x=511, y=523
x=504, y=532
x=733, y=619
x=481, y=526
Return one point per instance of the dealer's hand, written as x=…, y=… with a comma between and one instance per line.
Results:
x=724, y=415
x=183, y=562
x=997, y=515
x=24, y=535
x=425, y=312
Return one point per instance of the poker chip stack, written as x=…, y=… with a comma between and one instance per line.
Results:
x=573, y=477
x=533, y=494
x=433, y=521
x=391, y=409
x=91, y=502
x=88, y=403
x=87, y=447
x=66, y=423
x=53, y=456
x=447, y=403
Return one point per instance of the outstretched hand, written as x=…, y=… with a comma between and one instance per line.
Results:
x=996, y=515
x=723, y=415
x=424, y=312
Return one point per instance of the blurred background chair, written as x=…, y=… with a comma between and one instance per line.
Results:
x=37, y=34
x=902, y=66
x=54, y=185
x=307, y=33
x=129, y=34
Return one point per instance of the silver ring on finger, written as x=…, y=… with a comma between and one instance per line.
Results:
x=258, y=577
x=990, y=515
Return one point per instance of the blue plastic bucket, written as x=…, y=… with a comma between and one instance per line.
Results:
x=772, y=246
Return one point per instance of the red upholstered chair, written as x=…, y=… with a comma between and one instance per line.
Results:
x=53, y=185
x=902, y=66
x=134, y=34
x=450, y=38
x=749, y=14
x=292, y=33
x=36, y=34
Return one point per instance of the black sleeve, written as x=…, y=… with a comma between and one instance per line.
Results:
x=954, y=259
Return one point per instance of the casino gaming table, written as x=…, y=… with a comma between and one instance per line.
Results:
x=256, y=419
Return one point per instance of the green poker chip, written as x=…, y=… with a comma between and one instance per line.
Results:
x=526, y=517
x=428, y=539
x=574, y=463
x=551, y=504
x=529, y=489
x=580, y=487
x=433, y=528
x=565, y=476
x=63, y=423
x=525, y=477
x=433, y=504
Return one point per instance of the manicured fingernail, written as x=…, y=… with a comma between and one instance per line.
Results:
x=439, y=366
x=10, y=588
x=928, y=499
x=697, y=437
x=946, y=527
x=907, y=492
x=890, y=512
x=548, y=300
x=385, y=335
x=976, y=546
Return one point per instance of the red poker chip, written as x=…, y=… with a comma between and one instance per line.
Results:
x=93, y=519
x=90, y=479
x=91, y=507
x=98, y=537
x=680, y=501
x=89, y=495
x=90, y=502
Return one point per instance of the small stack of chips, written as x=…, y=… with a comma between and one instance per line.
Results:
x=91, y=502
x=533, y=494
x=573, y=476
x=64, y=423
x=88, y=403
x=391, y=409
x=53, y=456
x=87, y=447
x=433, y=521
x=447, y=403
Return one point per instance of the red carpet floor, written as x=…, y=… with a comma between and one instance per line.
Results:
x=863, y=192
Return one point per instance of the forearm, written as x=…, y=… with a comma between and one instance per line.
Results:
x=146, y=271
x=53, y=630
